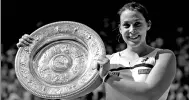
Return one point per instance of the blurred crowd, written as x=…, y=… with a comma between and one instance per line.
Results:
x=11, y=88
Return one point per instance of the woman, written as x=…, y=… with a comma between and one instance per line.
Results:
x=140, y=72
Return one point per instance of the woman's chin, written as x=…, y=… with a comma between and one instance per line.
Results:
x=134, y=44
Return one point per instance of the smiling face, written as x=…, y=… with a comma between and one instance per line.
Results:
x=133, y=28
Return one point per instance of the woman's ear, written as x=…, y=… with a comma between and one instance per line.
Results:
x=149, y=24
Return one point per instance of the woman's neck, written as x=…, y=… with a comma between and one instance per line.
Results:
x=139, y=51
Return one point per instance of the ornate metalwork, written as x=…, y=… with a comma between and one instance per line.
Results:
x=58, y=64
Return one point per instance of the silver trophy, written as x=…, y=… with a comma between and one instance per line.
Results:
x=59, y=63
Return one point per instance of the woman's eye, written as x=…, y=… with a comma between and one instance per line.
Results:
x=137, y=24
x=126, y=25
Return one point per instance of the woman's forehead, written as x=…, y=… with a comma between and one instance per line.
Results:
x=131, y=15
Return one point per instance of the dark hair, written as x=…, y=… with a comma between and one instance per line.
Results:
x=134, y=6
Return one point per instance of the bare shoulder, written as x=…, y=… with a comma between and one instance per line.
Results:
x=166, y=58
x=166, y=53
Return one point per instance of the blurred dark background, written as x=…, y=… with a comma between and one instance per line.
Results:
x=19, y=17
x=25, y=16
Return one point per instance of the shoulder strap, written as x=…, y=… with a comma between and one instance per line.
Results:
x=156, y=53
x=153, y=53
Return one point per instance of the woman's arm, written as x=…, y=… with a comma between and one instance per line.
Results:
x=157, y=82
x=105, y=62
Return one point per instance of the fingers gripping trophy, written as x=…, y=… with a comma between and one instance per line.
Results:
x=61, y=60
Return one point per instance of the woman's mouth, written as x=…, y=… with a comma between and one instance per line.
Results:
x=134, y=38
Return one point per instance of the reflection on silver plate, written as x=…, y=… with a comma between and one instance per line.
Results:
x=58, y=64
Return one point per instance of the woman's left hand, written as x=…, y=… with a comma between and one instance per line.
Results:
x=103, y=66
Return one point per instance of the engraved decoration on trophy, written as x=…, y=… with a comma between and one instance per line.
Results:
x=58, y=64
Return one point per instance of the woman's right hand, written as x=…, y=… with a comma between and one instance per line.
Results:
x=25, y=40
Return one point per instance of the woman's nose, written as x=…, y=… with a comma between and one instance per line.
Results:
x=131, y=29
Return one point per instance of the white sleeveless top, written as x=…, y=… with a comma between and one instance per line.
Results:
x=136, y=73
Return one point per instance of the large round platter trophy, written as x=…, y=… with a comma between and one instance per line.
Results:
x=59, y=64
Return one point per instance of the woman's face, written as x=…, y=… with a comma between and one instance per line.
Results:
x=133, y=27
